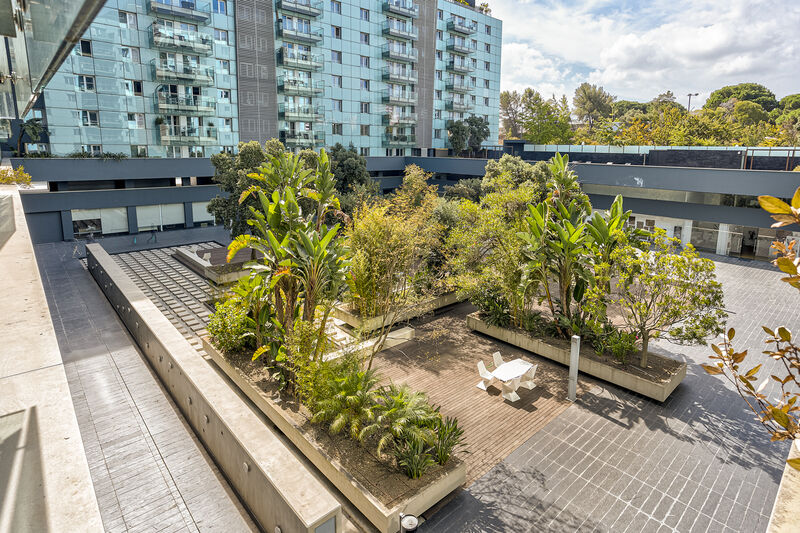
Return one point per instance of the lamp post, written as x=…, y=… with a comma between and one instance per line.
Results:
x=689, y=108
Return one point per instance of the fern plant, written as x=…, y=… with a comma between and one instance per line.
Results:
x=352, y=404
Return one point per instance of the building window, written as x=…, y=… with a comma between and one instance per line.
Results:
x=336, y=7
x=437, y=134
x=127, y=20
x=130, y=54
x=224, y=66
x=365, y=129
x=337, y=80
x=336, y=56
x=437, y=94
x=220, y=36
x=226, y=124
x=364, y=38
x=84, y=48
x=337, y=105
x=487, y=47
x=336, y=32
x=336, y=128
x=439, y=55
x=472, y=98
x=364, y=14
x=438, y=74
x=364, y=85
x=135, y=121
x=486, y=101
x=364, y=62
x=488, y=30
x=138, y=150
x=365, y=107
x=89, y=118
x=440, y=14
x=94, y=149
x=133, y=87
x=224, y=95
x=364, y=151
x=220, y=7
x=474, y=63
x=487, y=65
x=486, y=118
x=485, y=84
x=86, y=83
x=440, y=35
x=437, y=113
x=196, y=151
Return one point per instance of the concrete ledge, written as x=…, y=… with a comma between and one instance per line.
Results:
x=386, y=520
x=417, y=310
x=220, y=275
x=602, y=370
x=271, y=481
x=784, y=517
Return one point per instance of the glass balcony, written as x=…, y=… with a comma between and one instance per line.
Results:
x=300, y=34
x=181, y=40
x=301, y=113
x=182, y=73
x=460, y=46
x=305, y=138
x=192, y=135
x=399, y=119
x=182, y=9
x=401, y=31
x=399, y=53
x=390, y=139
x=400, y=75
x=405, y=8
x=459, y=86
x=299, y=60
x=462, y=26
x=294, y=86
x=459, y=66
x=189, y=105
x=457, y=105
x=400, y=97
x=304, y=7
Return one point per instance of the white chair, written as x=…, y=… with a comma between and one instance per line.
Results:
x=510, y=390
x=498, y=359
x=527, y=380
x=485, y=375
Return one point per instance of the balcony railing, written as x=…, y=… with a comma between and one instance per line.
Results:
x=399, y=54
x=294, y=33
x=192, y=105
x=172, y=72
x=183, y=9
x=304, y=7
x=459, y=86
x=400, y=97
x=399, y=140
x=462, y=26
x=302, y=138
x=294, y=86
x=459, y=66
x=401, y=119
x=406, y=8
x=401, y=31
x=400, y=75
x=459, y=46
x=301, y=113
x=181, y=40
x=192, y=135
x=457, y=105
x=300, y=60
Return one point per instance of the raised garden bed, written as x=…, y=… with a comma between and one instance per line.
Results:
x=657, y=381
x=370, y=324
x=381, y=493
x=212, y=263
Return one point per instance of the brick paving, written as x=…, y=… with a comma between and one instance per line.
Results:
x=149, y=471
x=615, y=461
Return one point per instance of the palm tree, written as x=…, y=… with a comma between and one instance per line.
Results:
x=33, y=128
x=352, y=403
x=591, y=103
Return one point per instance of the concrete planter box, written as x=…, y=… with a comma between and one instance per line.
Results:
x=375, y=322
x=607, y=371
x=784, y=517
x=386, y=520
x=219, y=274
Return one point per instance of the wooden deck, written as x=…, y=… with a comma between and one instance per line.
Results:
x=442, y=361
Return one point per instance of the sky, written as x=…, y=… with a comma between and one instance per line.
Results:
x=638, y=49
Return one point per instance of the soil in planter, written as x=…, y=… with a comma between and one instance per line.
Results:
x=377, y=475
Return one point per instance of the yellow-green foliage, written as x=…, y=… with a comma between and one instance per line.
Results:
x=18, y=176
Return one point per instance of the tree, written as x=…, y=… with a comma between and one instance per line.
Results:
x=478, y=132
x=511, y=171
x=511, y=114
x=469, y=189
x=349, y=168
x=751, y=92
x=33, y=128
x=620, y=108
x=544, y=121
x=591, y=103
x=458, y=134
x=665, y=293
x=747, y=113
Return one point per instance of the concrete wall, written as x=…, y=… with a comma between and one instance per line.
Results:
x=275, y=486
x=66, y=169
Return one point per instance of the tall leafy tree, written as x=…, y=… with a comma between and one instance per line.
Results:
x=545, y=121
x=478, y=132
x=592, y=103
x=33, y=128
x=511, y=114
x=751, y=92
x=458, y=135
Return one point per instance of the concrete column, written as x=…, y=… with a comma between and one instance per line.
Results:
x=686, y=234
x=188, y=216
x=723, y=237
x=133, y=220
x=66, y=225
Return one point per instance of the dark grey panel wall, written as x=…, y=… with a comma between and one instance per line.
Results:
x=33, y=202
x=45, y=227
x=256, y=72
x=64, y=169
x=426, y=67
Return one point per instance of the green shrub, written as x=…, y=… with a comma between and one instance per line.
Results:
x=413, y=457
x=449, y=438
x=608, y=340
x=228, y=326
x=16, y=176
x=352, y=402
x=494, y=307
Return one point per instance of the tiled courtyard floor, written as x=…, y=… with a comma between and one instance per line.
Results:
x=617, y=462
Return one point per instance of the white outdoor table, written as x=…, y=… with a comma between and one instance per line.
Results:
x=511, y=370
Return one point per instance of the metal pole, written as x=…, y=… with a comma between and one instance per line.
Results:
x=573, y=366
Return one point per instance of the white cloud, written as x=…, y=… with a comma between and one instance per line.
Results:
x=638, y=51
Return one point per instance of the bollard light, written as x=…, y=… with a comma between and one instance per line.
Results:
x=408, y=523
